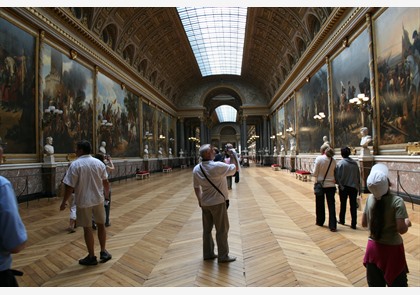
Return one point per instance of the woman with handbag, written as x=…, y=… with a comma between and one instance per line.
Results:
x=324, y=174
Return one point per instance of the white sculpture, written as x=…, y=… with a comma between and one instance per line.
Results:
x=146, y=152
x=275, y=151
x=48, y=148
x=325, y=140
x=181, y=153
x=49, y=151
x=160, y=152
x=102, y=149
x=365, y=141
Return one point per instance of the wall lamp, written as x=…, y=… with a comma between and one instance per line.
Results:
x=290, y=131
x=362, y=102
x=281, y=135
x=307, y=79
x=49, y=114
x=320, y=116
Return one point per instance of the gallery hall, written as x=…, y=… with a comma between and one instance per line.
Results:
x=157, y=92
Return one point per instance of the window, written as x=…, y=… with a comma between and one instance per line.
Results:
x=226, y=113
x=216, y=35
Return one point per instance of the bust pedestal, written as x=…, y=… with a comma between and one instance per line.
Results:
x=365, y=163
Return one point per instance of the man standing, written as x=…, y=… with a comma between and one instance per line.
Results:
x=13, y=234
x=210, y=186
x=347, y=176
x=88, y=177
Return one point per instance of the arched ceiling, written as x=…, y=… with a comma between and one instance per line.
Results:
x=151, y=42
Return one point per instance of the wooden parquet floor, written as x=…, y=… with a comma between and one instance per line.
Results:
x=155, y=239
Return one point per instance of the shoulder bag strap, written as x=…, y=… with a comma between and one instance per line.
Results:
x=202, y=170
x=326, y=173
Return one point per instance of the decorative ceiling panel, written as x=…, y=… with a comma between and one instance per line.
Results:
x=152, y=41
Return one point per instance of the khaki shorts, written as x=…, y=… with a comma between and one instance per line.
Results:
x=85, y=215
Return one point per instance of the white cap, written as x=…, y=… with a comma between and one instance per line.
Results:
x=377, y=181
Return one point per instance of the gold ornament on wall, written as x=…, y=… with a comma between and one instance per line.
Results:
x=73, y=54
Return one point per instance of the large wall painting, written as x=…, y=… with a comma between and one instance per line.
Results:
x=290, y=122
x=172, y=135
x=149, y=136
x=17, y=90
x=311, y=100
x=350, y=77
x=163, y=132
x=67, y=87
x=118, y=119
x=273, y=137
x=281, y=129
x=398, y=62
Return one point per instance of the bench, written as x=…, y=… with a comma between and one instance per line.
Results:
x=303, y=175
x=142, y=174
x=167, y=169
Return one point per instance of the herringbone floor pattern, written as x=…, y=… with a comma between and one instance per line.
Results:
x=155, y=239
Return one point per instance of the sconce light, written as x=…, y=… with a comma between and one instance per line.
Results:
x=49, y=114
x=105, y=123
x=272, y=137
x=346, y=42
x=148, y=135
x=308, y=79
x=253, y=138
x=281, y=135
x=320, y=116
x=161, y=137
x=171, y=139
x=290, y=131
x=362, y=102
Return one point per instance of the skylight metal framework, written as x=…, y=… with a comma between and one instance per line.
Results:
x=216, y=35
x=226, y=113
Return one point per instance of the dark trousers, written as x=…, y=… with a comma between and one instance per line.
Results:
x=329, y=193
x=107, y=208
x=7, y=278
x=351, y=193
x=236, y=177
x=375, y=277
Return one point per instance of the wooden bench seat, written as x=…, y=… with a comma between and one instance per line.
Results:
x=142, y=174
x=303, y=175
x=167, y=169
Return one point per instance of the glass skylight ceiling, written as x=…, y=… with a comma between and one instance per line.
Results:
x=216, y=35
x=226, y=113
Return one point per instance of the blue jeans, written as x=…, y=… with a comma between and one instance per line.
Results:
x=329, y=193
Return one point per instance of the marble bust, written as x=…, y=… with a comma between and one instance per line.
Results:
x=146, y=152
x=365, y=141
x=48, y=148
x=102, y=148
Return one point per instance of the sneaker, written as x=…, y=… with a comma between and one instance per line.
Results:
x=227, y=259
x=107, y=224
x=88, y=260
x=105, y=256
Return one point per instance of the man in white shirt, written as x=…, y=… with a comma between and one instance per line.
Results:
x=88, y=177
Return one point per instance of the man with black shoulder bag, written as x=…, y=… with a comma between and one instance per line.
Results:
x=210, y=187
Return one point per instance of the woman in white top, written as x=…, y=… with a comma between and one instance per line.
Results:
x=325, y=167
